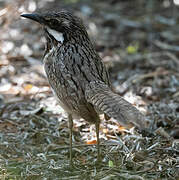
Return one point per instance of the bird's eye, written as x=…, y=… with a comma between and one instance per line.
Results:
x=53, y=22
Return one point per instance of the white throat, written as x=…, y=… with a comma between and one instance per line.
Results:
x=57, y=35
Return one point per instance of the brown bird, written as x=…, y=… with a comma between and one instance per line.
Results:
x=78, y=76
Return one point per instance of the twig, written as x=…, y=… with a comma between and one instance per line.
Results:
x=158, y=72
x=81, y=145
x=165, y=46
x=173, y=57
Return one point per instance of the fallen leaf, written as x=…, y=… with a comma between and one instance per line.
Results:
x=91, y=141
x=105, y=131
x=110, y=164
x=27, y=87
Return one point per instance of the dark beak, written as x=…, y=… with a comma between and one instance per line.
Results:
x=35, y=17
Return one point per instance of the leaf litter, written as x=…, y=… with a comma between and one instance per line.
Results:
x=143, y=64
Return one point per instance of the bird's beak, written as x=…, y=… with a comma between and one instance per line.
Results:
x=35, y=17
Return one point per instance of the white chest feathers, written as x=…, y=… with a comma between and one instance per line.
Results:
x=57, y=35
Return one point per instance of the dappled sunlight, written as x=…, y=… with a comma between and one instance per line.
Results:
x=138, y=44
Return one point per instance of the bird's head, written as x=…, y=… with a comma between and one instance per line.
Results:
x=62, y=26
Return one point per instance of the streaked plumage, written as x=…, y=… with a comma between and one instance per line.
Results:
x=77, y=74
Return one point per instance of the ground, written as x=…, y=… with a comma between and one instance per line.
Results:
x=138, y=42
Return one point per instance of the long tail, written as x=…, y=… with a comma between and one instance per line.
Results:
x=101, y=96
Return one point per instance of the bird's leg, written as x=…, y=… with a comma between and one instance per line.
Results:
x=98, y=142
x=70, y=120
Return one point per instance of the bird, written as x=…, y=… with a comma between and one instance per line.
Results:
x=78, y=76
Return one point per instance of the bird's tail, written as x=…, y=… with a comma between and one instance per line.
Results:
x=101, y=96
